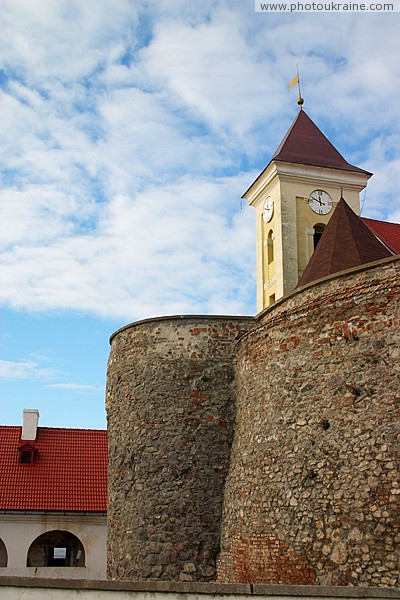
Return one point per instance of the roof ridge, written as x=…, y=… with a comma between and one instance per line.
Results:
x=55, y=428
x=380, y=221
x=71, y=428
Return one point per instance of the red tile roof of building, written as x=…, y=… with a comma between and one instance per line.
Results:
x=389, y=233
x=70, y=472
x=305, y=144
x=347, y=242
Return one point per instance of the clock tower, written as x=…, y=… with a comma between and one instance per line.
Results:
x=294, y=197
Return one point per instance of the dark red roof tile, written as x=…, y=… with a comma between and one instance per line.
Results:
x=69, y=474
x=347, y=242
x=305, y=144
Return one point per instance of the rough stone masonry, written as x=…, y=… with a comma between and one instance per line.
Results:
x=313, y=490
x=170, y=406
x=309, y=394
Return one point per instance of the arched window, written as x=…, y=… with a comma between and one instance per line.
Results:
x=318, y=231
x=3, y=554
x=270, y=247
x=56, y=549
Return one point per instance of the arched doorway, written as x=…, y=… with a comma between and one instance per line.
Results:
x=56, y=549
x=3, y=554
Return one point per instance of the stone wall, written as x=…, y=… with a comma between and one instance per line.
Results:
x=313, y=491
x=170, y=405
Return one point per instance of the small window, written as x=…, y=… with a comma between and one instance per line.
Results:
x=270, y=245
x=27, y=454
x=57, y=557
x=318, y=231
x=27, y=457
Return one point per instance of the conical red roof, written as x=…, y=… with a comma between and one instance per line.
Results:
x=305, y=144
x=346, y=242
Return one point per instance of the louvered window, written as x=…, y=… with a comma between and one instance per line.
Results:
x=26, y=456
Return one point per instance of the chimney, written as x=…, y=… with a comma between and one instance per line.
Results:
x=30, y=424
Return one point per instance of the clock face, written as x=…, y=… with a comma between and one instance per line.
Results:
x=320, y=202
x=268, y=209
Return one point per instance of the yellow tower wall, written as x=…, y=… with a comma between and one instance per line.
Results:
x=293, y=221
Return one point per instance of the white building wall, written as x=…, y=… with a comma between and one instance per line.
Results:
x=12, y=589
x=18, y=531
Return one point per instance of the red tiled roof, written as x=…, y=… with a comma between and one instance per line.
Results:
x=389, y=233
x=346, y=242
x=305, y=144
x=70, y=473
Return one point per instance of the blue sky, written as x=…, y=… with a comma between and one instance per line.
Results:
x=129, y=131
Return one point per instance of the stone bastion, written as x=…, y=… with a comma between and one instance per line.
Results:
x=312, y=494
x=170, y=404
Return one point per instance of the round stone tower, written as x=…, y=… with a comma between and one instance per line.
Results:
x=313, y=491
x=170, y=403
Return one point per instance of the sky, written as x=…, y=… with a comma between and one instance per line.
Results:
x=129, y=131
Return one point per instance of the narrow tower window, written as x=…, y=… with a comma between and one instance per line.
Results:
x=318, y=231
x=270, y=247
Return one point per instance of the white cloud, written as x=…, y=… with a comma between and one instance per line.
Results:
x=168, y=249
x=24, y=369
x=211, y=70
x=130, y=130
x=35, y=214
x=75, y=387
x=63, y=39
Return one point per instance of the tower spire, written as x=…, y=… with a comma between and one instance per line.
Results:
x=292, y=83
x=300, y=100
